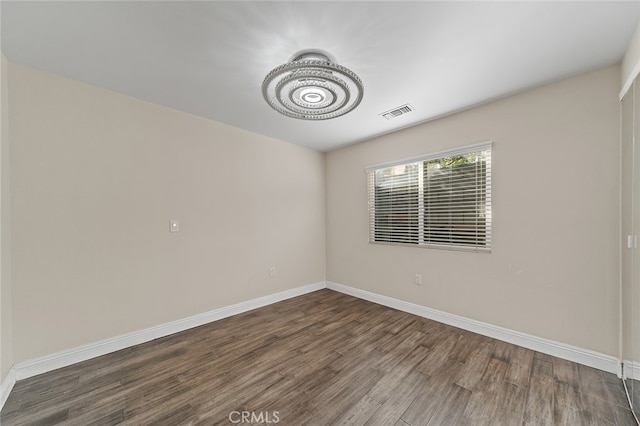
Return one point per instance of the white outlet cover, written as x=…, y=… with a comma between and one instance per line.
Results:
x=174, y=226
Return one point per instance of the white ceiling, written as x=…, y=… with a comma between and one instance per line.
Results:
x=209, y=58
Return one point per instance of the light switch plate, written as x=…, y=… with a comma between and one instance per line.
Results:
x=174, y=226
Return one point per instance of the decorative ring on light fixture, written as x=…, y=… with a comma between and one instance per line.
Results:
x=312, y=87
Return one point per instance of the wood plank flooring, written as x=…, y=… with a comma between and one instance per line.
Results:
x=633, y=387
x=321, y=359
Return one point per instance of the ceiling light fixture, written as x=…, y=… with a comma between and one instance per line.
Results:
x=312, y=87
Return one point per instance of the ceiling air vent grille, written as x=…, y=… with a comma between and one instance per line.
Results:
x=396, y=112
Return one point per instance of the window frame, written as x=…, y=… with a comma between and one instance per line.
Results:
x=455, y=246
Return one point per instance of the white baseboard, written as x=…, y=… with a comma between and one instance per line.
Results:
x=6, y=385
x=561, y=350
x=67, y=357
x=631, y=369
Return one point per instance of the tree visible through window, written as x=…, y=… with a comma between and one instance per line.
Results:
x=441, y=201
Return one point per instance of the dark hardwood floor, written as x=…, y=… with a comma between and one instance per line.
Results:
x=322, y=359
x=633, y=387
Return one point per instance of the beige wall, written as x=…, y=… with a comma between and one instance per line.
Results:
x=554, y=268
x=95, y=179
x=6, y=308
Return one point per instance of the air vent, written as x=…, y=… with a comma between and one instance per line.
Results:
x=396, y=112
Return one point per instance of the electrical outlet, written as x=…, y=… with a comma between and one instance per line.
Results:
x=272, y=272
x=174, y=226
x=418, y=279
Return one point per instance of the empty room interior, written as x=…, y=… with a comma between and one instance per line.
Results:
x=319, y=213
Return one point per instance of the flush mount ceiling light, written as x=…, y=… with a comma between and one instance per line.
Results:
x=312, y=87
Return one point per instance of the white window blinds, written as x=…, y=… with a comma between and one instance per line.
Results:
x=441, y=200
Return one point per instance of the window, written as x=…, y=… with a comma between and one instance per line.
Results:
x=441, y=200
